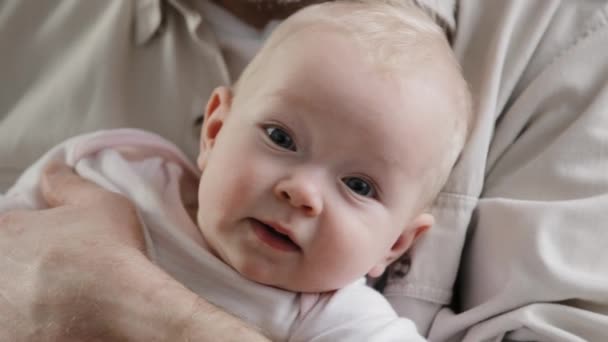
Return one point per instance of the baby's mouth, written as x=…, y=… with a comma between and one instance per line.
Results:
x=274, y=238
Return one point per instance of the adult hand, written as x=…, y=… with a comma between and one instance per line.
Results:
x=78, y=272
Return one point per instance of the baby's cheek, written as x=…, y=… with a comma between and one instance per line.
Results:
x=342, y=255
x=232, y=194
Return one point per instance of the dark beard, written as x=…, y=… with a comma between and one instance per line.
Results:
x=259, y=12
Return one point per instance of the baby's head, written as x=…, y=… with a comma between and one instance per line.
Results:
x=319, y=164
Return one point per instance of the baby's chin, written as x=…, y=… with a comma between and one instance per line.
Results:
x=299, y=285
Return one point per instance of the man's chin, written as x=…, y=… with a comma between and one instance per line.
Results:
x=273, y=2
x=277, y=3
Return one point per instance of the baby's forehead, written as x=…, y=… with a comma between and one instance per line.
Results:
x=380, y=125
x=391, y=37
x=388, y=33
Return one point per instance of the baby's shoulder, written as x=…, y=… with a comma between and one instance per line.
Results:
x=356, y=312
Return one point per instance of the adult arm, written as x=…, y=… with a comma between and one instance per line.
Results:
x=78, y=272
x=529, y=253
x=530, y=268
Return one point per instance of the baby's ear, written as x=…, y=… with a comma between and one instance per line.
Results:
x=218, y=107
x=412, y=232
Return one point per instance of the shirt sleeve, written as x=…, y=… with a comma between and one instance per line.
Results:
x=354, y=313
x=130, y=143
x=74, y=67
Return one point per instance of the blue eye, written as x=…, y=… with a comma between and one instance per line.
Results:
x=359, y=186
x=280, y=138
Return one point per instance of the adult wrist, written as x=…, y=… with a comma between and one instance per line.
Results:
x=154, y=306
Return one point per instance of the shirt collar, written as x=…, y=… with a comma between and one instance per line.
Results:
x=149, y=17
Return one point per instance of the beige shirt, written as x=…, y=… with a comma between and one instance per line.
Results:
x=519, y=247
x=69, y=67
x=522, y=225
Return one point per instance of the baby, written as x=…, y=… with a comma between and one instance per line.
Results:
x=316, y=168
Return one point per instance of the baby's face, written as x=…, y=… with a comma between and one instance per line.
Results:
x=311, y=173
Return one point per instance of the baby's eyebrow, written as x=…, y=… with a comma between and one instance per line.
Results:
x=382, y=165
x=288, y=98
x=392, y=165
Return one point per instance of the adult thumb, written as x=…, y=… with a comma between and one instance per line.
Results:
x=60, y=186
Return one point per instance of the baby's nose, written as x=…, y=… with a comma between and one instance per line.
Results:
x=301, y=194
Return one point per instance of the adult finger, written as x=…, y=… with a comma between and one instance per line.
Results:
x=60, y=186
x=87, y=204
